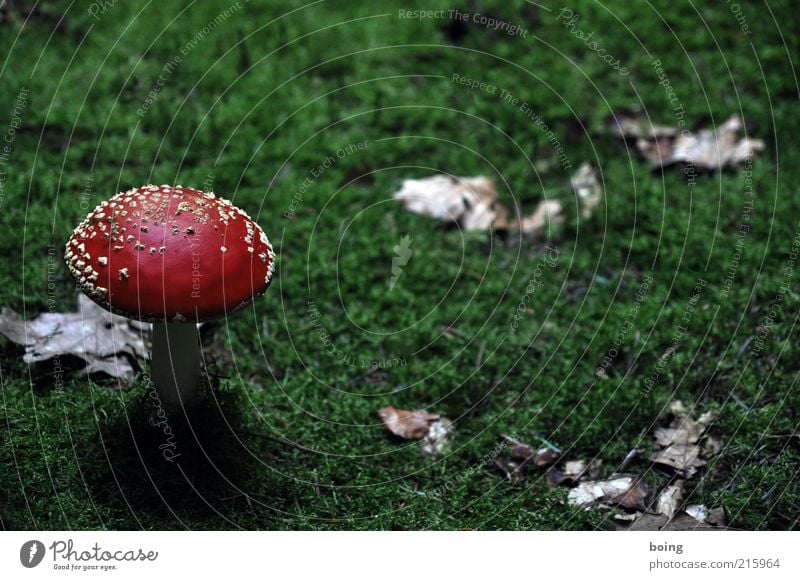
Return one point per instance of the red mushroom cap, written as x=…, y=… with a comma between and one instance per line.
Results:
x=170, y=254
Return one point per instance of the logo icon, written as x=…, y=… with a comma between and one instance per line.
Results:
x=403, y=253
x=31, y=553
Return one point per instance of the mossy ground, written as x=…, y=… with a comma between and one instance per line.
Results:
x=264, y=98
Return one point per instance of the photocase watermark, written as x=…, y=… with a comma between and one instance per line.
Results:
x=53, y=264
x=403, y=253
x=330, y=347
x=161, y=420
x=31, y=553
x=549, y=259
x=208, y=182
x=568, y=19
x=67, y=557
x=625, y=329
x=487, y=22
x=7, y=146
x=317, y=172
x=736, y=9
x=744, y=228
x=448, y=486
x=84, y=200
x=176, y=60
x=765, y=328
x=680, y=332
x=101, y=7
x=506, y=97
x=677, y=106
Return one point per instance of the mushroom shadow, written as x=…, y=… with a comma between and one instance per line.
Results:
x=187, y=469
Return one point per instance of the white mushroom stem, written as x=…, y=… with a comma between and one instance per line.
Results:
x=176, y=363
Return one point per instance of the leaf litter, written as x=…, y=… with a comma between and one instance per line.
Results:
x=682, y=447
x=104, y=342
x=473, y=204
x=708, y=149
x=435, y=432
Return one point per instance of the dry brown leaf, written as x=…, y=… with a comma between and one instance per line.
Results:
x=682, y=431
x=633, y=125
x=632, y=498
x=680, y=441
x=469, y=201
x=587, y=188
x=472, y=203
x=710, y=149
x=412, y=425
x=548, y=212
x=435, y=432
x=625, y=491
x=513, y=469
x=684, y=458
x=106, y=342
x=540, y=458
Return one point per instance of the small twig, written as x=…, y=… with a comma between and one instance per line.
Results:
x=454, y=331
x=632, y=454
x=745, y=345
x=479, y=358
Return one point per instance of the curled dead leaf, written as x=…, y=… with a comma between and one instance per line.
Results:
x=435, y=432
x=412, y=425
x=625, y=491
x=709, y=149
x=469, y=201
x=105, y=342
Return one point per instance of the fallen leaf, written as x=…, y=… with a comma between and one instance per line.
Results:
x=626, y=491
x=546, y=213
x=680, y=440
x=685, y=458
x=438, y=438
x=632, y=498
x=698, y=512
x=468, y=201
x=107, y=343
x=513, y=469
x=633, y=125
x=555, y=478
x=670, y=499
x=710, y=149
x=574, y=468
x=540, y=458
x=682, y=431
x=407, y=424
x=587, y=188
x=472, y=203
x=435, y=432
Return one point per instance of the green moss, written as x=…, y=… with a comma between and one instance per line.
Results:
x=254, y=109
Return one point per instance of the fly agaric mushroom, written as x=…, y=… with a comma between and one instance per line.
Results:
x=173, y=256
